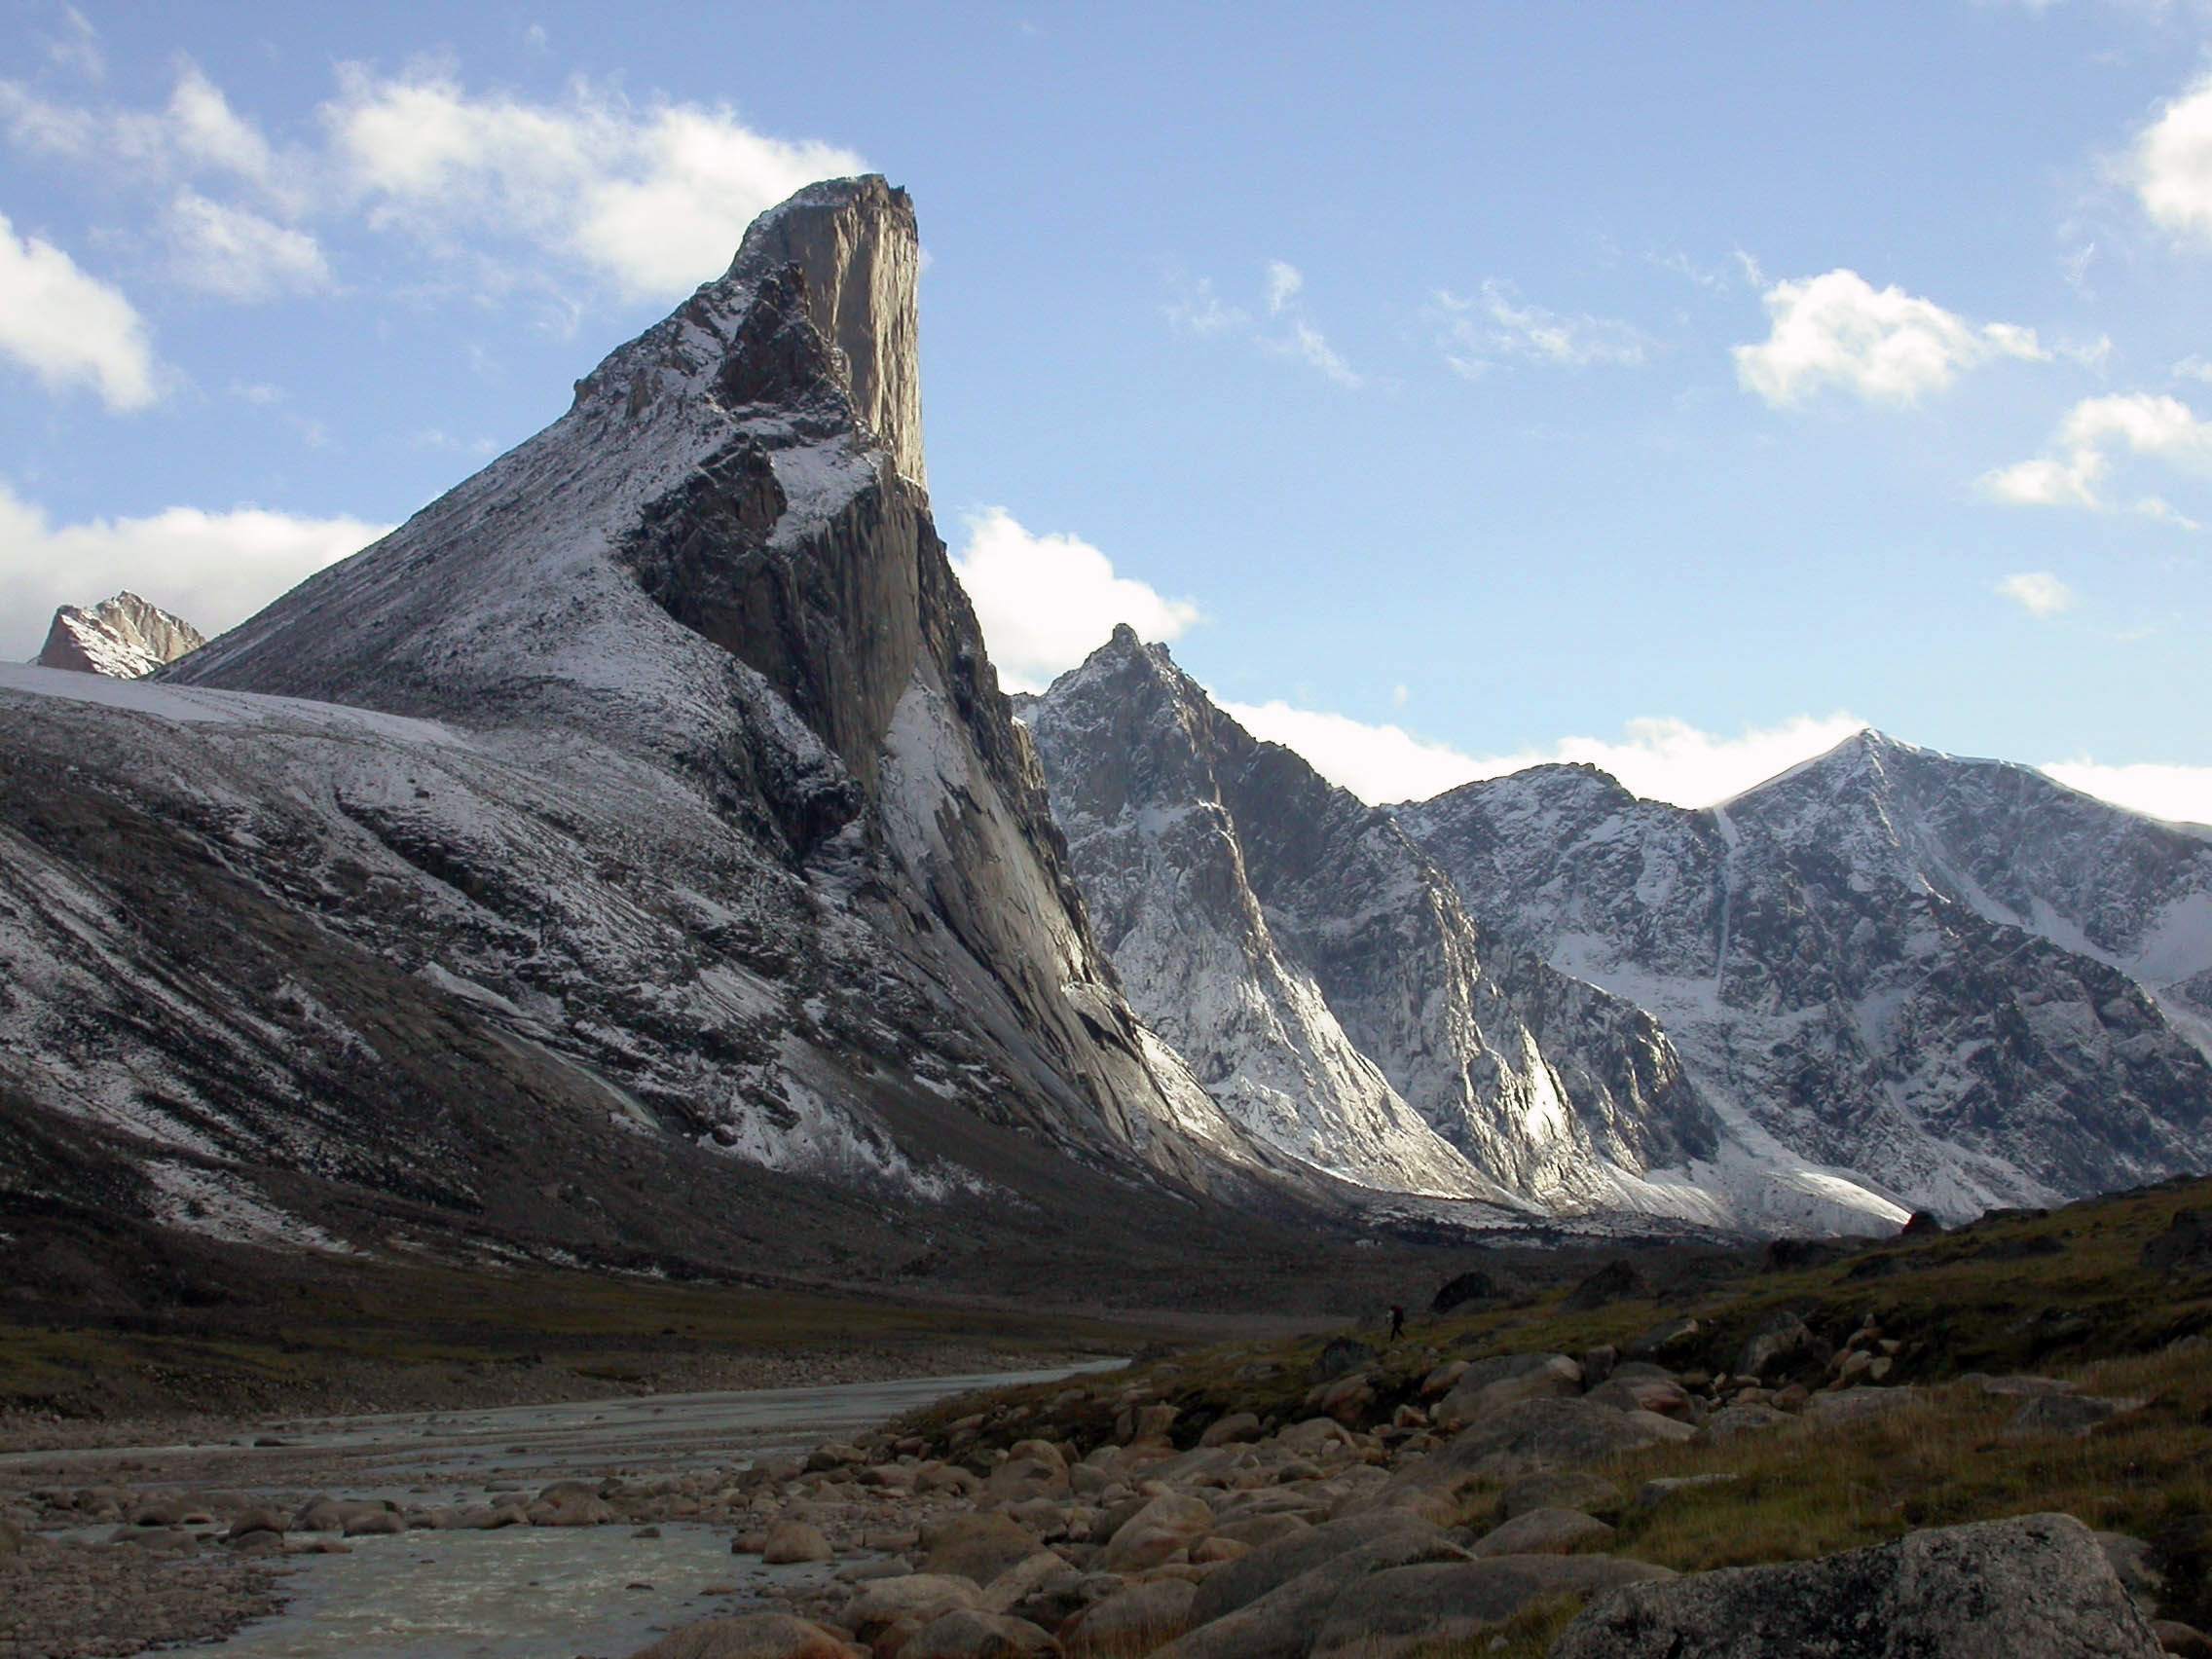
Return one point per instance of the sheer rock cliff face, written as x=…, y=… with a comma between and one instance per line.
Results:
x=1959, y=978
x=665, y=747
x=1322, y=976
x=124, y=638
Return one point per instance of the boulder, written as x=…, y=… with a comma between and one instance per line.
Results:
x=1236, y=1428
x=1853, y=1407
x=2183, y=1641
x=1543, y=1531
x=1561, y=1488
x=2066, y=1414
x=1273, y=1565
x=1441, y=1382
x=1023, y=1580
x=261, y=1518
x=977, y=1547
x=1661, y=1395
x=1134, y=1620
x=1165, y=1526
x=966, y=1632
x=1544, y=1434
x=1777, y=1337
x=2185, y=1247
x=1472, y=1286
x=1255, y=1530
x=1395, y=1613
x=1652, y=1493
x=1668, y=1338
x=1731, y=1423
x=1994, y=1590
x=1337, y=1358
x=174, y=1510
x=1314, y=1437
x=919, y=1596
x=1281, y=1624
x=756, y=1636
x=1492, y=1384
x=1021, y=1478
x=2023, y=1387
x=1345, y=1399
x=1616, y=1281
x=789, y=1542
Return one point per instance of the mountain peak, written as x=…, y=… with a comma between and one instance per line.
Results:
x=125, y=638
x=856, y=246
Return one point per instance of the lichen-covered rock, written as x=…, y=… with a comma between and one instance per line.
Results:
x=1995, y=1590
x=1417, y=1607
x=753, y=1636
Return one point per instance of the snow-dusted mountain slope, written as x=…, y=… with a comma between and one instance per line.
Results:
x=667, y=748
x=1973, y=985
x=124, y=638
x=1330, y=990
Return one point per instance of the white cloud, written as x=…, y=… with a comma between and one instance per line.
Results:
x=656, y=200
x=1378, y=764
x=196, y=132
x=650, y=200
x=2171, y=167
x=1047, y=602
x=69, y=328
x=1883, y=344
x=2039, y=591
x=1500, y=324
x=1288, y=331
x=2181, y=795
x=213, y=570
x=1660, y=759
x=2139, y=422
x=237, y=255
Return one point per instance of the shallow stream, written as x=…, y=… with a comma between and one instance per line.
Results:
x=542, y=1592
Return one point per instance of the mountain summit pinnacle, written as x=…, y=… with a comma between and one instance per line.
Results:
x=855, y=243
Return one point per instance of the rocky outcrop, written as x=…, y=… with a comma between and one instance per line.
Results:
x=1322, y=976
x=2035, y=1585
x=1958, y=981
x=123, y=638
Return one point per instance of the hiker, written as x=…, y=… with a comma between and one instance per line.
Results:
x=1397, y=1321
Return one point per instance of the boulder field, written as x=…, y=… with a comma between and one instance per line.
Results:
x=1484, y=1517
x=1500, y=1508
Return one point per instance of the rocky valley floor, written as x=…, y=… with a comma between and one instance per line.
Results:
x=2000, y=1434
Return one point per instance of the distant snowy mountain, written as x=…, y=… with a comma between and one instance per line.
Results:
x=1325, y=980
x=124, y=638
x=1964, y=981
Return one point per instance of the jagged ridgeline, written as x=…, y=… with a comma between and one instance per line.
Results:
x=631, y=860
x=1887, y=980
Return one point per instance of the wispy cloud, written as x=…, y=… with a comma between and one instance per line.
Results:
x=2038, y=591
x=1498, y=323
x=1282, y=323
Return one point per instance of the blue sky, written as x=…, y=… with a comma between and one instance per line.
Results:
x=1668, y=386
